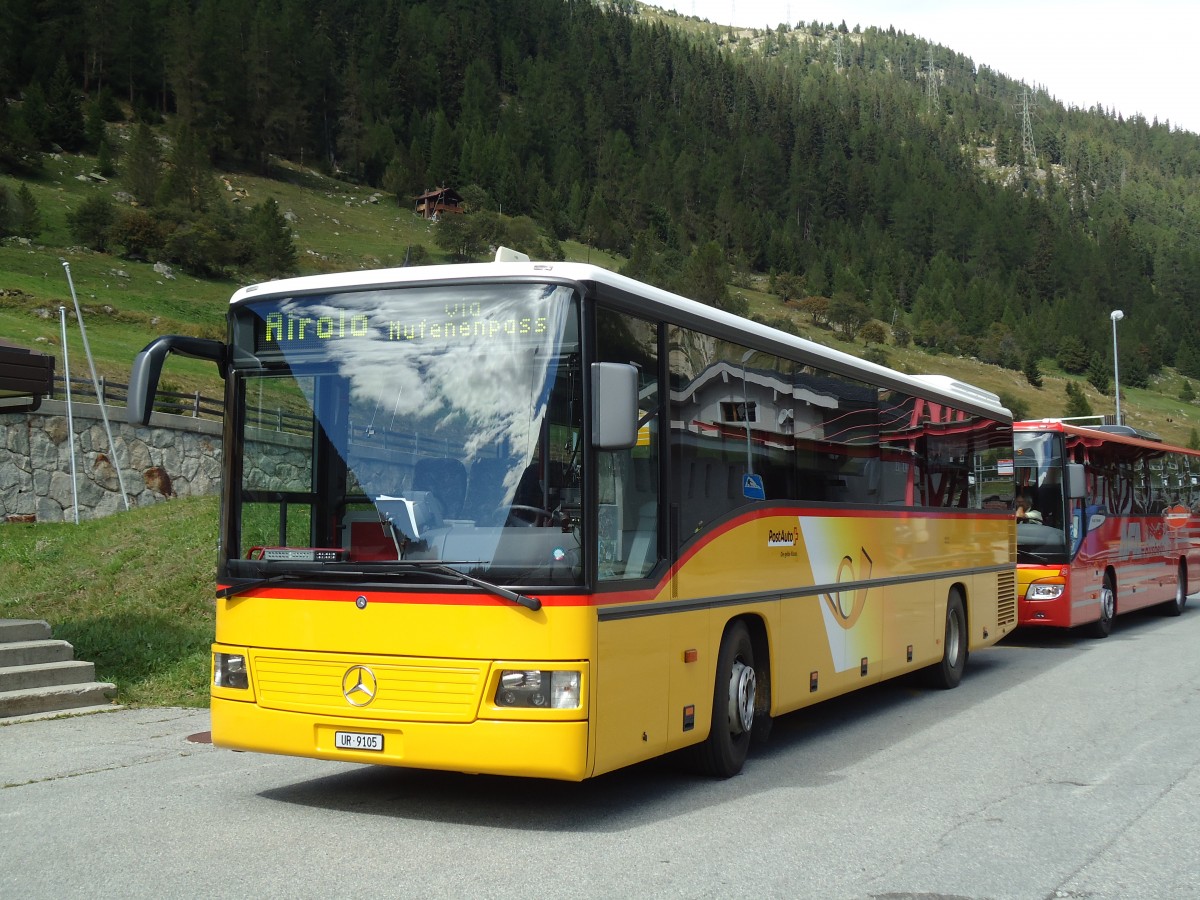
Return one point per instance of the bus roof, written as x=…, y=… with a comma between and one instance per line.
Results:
x=645, y=299
x=1100, y=433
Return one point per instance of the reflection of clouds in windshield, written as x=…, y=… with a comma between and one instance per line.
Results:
x=474, y=360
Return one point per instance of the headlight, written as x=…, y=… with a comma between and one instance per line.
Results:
x=1041, y=591
x=229, y=671
x=554, y=689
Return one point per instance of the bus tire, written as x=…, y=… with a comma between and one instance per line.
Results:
x=1174, y=607
x=1102, y=627
x=948, y=673
x=723, y=752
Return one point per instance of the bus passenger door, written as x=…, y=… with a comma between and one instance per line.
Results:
x=632, y=670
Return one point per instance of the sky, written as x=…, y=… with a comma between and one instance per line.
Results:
x=1132, y=58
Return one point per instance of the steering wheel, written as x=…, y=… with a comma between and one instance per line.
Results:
x=526, y=516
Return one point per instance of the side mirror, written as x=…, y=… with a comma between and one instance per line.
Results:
x=614, y=406
x=1076, y=482
x=147, y=366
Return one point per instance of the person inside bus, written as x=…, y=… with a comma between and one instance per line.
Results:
x=1031, y=517
x=1021, y=510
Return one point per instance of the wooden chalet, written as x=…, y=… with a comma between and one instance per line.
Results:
x=436, y=201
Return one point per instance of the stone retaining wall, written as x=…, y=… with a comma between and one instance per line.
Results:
x=174, y=456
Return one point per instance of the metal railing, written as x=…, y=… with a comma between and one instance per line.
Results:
x=193, y=404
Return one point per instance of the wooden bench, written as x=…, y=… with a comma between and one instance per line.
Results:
x=25, y=378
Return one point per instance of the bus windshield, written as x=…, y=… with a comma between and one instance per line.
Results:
x=1042, y=520
x=414, y=433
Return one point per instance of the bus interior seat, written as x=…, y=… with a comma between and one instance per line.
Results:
x=734, y=480
x=364, y=536
x=1050, y=499
x=643, y=546
x=485, y=487
x=643, y=477
x=446, y=479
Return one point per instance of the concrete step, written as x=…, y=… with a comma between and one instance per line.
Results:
x=69, y=671
x=12, y=630
x=32, y=653
x=56, y=698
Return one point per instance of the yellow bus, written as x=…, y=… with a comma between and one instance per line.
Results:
x=540, y=519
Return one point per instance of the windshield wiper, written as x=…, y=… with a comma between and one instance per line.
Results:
x=444, y=568
x=1042, y=558
x=332, y=570
x=324, y=570
x=532, y=603
x=243, y=586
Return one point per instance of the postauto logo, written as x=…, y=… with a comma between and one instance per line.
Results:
x=782, y=537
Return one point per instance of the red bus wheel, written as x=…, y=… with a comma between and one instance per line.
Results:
x=1175, y=606
x=1102, y=627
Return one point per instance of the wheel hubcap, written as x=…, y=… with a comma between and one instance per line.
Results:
x=742, y=688
x=953, y=640
x=1107, y=603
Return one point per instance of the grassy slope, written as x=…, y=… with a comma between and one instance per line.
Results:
x=339, y=227
x=133, y=593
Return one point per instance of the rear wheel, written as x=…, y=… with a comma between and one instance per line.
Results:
x=1102, y=627
x=1175, y=606
x=724, y=751
x=948, y=673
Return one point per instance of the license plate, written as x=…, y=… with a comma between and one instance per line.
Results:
x=358, y=740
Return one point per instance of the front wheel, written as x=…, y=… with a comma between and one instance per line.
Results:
x=949, y=672
x=1102, y=627
x=1174, y=606
x=724, y=751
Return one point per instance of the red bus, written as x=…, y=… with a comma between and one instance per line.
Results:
x=1113, y=525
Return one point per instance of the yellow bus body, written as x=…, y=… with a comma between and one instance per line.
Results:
x=839, y=601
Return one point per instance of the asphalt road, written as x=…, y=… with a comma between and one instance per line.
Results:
x=1061, y=767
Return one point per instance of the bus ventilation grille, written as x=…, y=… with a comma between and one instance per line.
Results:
x=1006, y=598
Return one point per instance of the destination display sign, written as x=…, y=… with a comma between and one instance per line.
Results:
x=467, y=322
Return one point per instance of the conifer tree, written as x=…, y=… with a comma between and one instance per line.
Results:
x=90, y=223
x=104, y=160
x=189, y=180
x=705, y=277
x=1032, y=373
x=35, y=114
x=142, y=165
x=1077, y=402
x=1187, y=357
x=1097, y=374
x=28, y=218
x=273, y=251
x=66, y=115
x=93, y=126
x=1072, y=355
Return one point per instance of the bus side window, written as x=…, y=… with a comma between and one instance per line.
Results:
x=628, y=480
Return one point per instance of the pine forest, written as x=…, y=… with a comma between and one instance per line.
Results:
x=892, y=190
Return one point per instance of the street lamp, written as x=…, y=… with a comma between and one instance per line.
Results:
x=1116, y=317
x=746, y=411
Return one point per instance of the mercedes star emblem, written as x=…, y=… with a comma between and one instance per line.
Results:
x=359, y=685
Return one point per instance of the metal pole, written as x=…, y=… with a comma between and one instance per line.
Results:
x=62, y=319
x=96, y=384
x=1116, y=316
x=746, y=412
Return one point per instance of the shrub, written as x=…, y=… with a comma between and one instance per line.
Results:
x=91, y=222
